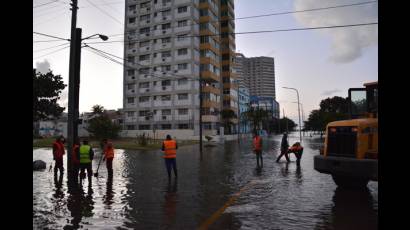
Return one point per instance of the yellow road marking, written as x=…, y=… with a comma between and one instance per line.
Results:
x=220, y=211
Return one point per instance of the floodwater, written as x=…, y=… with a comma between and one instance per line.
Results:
x=223, y=184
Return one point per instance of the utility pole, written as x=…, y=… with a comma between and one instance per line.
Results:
x=200, y=115
x=72, y=82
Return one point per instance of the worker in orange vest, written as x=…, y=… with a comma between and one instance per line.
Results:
x=297, y=149
x=74, y=160
x=170, y=147
x=108, y=155
x=58, y=152
x=257, y=148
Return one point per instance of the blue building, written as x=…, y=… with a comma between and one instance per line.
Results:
x=244, y=102
x=269, y=104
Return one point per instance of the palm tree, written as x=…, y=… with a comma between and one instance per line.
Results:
x=226, y=115
x=256, y=116
x=98, y=110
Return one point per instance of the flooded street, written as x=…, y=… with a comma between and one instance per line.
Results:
x=221, y=190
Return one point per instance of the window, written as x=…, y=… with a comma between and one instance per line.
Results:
x=182, y=111
x=165, y=68
x=132, y=32
x=182, y=23
x=144, y=99
x=145, y=17
x=182, y=37
x=165, y=97
x=130, y=100
x=183, y=96
x=166, y=126
x=166, y=83
x=144, y=30
x=166, y=26
x=145, y=4
x=166, y=54
x=204, y=39
x=130, y=127
x=143, y=70
x=182, y=9
x=130, y=72
x=132, y=7
x=131, y=45
x=144, y=127
x=165, y=1
x=130, y=113
x=144, y=113
x=144, y=85
x=130, y=59
x=183, y=126
x=183, y=51
x=166, y=112
x=165, y=13
x=224, y=13
x=144, y=57
x=143, y=44
x=203, y=12
x=131, y=20
x=182, y=66
x=224, y=23
x=130, y=86
x=166, y=40
x=182, y=81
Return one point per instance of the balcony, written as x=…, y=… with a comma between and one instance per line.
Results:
x=210, y=118
x=159, y=60
x=183, y=102
x=145, y=10
x=160, y=88
x=182, y=15
x=144, y=90
x=145, y=22
x=163, y=118
x=160, y=45
x=182, y=29
x=186, y=117
x=210, y=89
x=160, y=32
x=184, y=42
x=209, y=76
x=144, y=49
x=208, y=104
x=162, y=103
x=160, y=5
x=145, y=104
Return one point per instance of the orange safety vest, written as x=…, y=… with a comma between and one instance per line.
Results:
x=295, y=148
x=257, y=143
x=170, y=149
x=74, y=156
x=59, y=149
x=109, y=151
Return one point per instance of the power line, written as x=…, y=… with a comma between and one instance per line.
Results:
x=50, y=47
x=273, y=14
x=52, y=52
x=103, y=11
x=49, y=20
x=49, y=41
x=51, y=36
x=256, y=32
x=44, y=4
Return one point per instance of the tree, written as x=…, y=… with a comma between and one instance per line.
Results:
x=226, y=115
x=287, y=124
x=46, y=91
x=331, y=109
x=98, y=110
x=256, y=116
x=102, y=127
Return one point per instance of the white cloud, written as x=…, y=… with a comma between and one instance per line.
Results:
x=43, y=67
x=347, y=43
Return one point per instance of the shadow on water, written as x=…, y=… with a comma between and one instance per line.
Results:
x=352, y=209
x=80, y=204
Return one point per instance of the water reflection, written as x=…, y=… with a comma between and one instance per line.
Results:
x=109, y=194
x=352, y=209
x=80, y=204
x=285, y=170
x=170, y=203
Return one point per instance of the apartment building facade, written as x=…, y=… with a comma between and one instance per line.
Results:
x=172, y=47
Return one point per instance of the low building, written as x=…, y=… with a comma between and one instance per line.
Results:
x=244, y=103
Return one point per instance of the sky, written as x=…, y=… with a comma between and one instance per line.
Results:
x=319, y=63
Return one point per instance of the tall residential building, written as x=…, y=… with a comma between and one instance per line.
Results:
x=171, y=45
x=258, y=74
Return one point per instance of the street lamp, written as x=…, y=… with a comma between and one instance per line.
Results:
x=297, y=93
x=103, y=37
x=303, y=116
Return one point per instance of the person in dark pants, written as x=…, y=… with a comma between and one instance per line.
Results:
x=297, y=149
x=284, y=148
x=86, y=154
x=257, y=148
x=58, y=153
x=75, y=160
x=170, y=147
x=109, y=156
